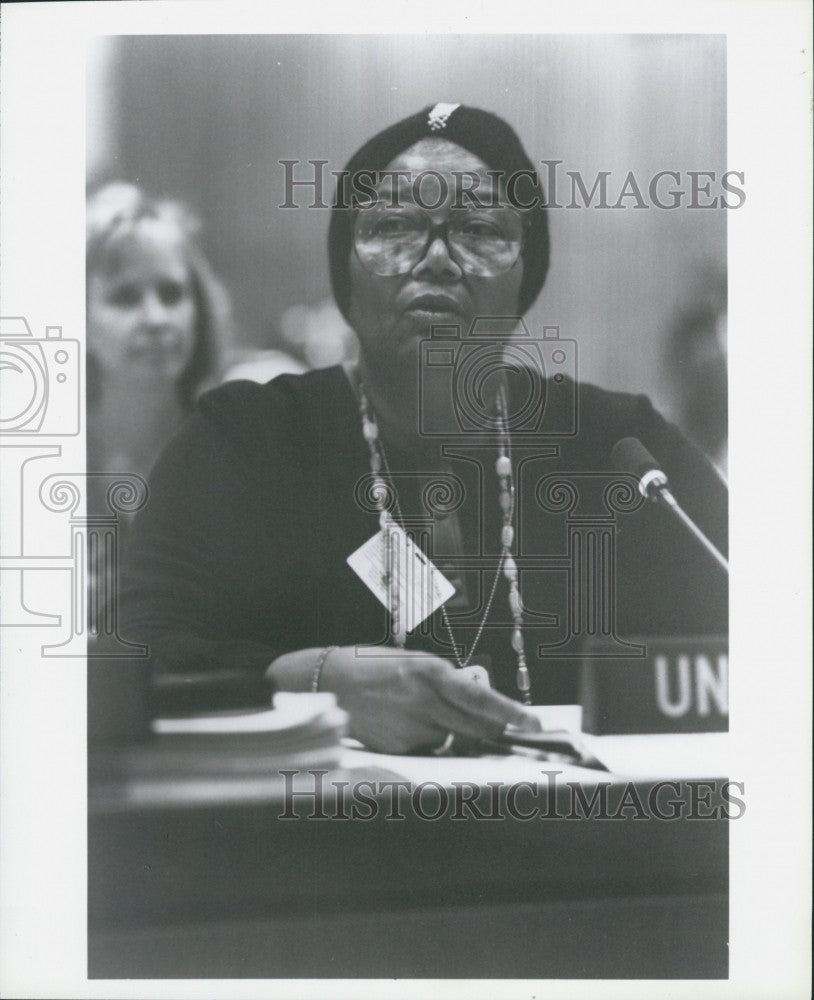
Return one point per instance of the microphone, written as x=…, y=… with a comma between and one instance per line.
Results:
x=630, y=455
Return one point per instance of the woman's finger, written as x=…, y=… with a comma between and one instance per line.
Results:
x=480, y=706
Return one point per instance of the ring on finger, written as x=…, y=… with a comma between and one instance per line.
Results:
x=438, y=751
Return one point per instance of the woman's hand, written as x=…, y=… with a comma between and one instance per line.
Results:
x=400, y=701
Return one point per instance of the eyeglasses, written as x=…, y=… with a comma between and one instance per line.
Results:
x=391, y=240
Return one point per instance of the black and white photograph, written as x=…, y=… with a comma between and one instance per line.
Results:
x=371, y=477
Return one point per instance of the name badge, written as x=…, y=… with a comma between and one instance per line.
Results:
x=397, y=572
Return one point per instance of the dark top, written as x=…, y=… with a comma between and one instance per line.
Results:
x=254, y=507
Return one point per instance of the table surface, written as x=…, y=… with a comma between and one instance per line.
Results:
x=147, y=776
x=225, y=863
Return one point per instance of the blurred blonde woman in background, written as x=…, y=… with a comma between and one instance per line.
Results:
x=157, y=319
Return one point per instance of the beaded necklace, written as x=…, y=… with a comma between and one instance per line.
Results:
x=380, y=492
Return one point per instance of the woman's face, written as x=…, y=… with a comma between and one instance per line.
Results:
x=141, y=315
x=391, y=315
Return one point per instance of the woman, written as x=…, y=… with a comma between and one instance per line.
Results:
x=156, y=318
x=254, y=567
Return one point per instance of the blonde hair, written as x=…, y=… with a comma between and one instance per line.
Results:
x=113, y=216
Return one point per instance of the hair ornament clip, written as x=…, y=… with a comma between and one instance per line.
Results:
x=438, y=117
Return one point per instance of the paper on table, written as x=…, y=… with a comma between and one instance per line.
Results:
x=505, y=768
x=289, y=711
x=663, y=756
x=645, y=757
x=650, y=757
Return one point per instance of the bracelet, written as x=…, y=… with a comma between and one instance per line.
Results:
x=321, y=660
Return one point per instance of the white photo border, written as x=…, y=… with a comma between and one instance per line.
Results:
x=43, y=870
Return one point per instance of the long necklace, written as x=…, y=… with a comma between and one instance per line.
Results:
x=379, y=466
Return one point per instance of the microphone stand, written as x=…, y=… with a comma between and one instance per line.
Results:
x=654, y=486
